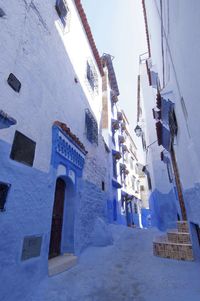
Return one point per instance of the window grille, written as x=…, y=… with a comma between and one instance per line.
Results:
x=91, y=127
x=62, y=10
x=92, y=76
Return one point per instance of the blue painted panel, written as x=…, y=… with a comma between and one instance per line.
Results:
x=163, y=209
x=146, y=217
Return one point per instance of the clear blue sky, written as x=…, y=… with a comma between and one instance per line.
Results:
x=118, y=29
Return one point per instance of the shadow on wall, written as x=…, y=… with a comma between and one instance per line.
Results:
x=163, y=210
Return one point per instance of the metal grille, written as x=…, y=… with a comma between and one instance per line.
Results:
x=91, y=127
x=62, y=10
x=92, y=76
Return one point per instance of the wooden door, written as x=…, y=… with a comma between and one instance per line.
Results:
x=57, y=219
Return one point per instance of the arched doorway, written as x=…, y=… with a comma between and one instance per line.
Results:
x=57, y=219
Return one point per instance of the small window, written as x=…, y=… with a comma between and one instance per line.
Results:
x=103, y=186
x=23, y=149
x=4, y=188
x=141, y=187
x=62, y=10
x=91, y=127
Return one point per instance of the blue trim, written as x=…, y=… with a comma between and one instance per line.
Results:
x=66, y=152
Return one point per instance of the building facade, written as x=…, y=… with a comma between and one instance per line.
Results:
x=53, y=176
x=171, y=28
x=124, y=203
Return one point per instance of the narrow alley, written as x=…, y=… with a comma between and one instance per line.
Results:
x=99, y=150
x=124, y=271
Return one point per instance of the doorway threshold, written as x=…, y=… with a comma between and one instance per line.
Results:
x=61, y=264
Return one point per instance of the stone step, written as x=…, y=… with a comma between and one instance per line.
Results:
x=178, y=237
x=162, y=247
x=61, y=264
x=182, y=226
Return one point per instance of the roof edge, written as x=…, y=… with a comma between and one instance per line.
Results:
x=89, y=35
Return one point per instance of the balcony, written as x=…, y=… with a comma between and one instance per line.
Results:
x=116, y=154
x=113, y=96
x=116, y=184
x=124, y=169
x=124, y=148
x=121, y=139
x=123, y=126
x=119, y=116
x=115, y=124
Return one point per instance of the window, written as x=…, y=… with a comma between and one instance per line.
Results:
x=23, y=149
x=141, y=187
x=133, y=182
x=131, y=163
x=4, y=188
x=135, y=208
x=92, y=77
x=62, y=10
x=103, y=186
x=114, y=167
x=137, y=188
x=91, y=127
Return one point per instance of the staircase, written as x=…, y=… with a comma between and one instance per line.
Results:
x=61, y=264
x=176, y=244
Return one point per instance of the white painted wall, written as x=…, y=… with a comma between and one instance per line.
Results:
x=34, y=48
x=181, y=42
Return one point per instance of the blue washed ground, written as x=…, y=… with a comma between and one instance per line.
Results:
x=124, y=271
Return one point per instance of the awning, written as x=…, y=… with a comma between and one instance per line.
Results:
x=116, y=184
x=116, y=154
x=5, y=120
x=127, y=196
x=121, y=139
x=119, y=115
x=115, y=124
x=124, y=148
x=164, y=136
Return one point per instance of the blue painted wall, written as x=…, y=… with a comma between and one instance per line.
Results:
x=164, y=209
x=28, y=212
x=146, y=217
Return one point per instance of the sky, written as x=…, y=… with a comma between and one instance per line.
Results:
x=118, y=29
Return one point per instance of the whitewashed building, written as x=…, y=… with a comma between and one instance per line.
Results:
x=124, y=203
x=53, y=176
x=172, y=29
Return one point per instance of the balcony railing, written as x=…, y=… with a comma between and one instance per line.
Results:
x=121, y=139
x=113, y=96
